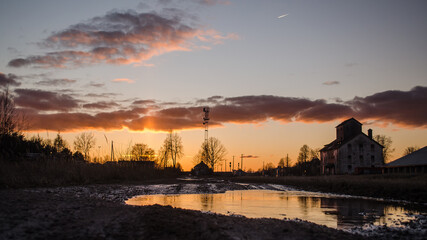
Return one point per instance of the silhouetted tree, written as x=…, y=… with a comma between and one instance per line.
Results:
x=314, y=153
x=172, y=149
x=83, y=143
x=386, y=143
x=287, y=161
x=269, y=166
x=304, y=153
x=306, y=160
x=410, y=150
x=211, y=152
x=176, y=149
x=141, y=151
x=162, y=157
x=9, y=118
x=78, y=156
x=59, y=144
x=281, y=163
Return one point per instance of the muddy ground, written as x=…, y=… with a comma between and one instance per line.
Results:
x=99, y=212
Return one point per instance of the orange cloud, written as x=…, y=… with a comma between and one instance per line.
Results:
x=123, y=80
x=121, y=38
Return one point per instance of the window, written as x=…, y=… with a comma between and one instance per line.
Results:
x=349, y=147
x=349, y=158
x=372, y=159
x=361, y=147
x=372, y=147
x=361, y=159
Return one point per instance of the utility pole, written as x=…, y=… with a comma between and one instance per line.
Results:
x=241, y=162
x=233, y=163
x=263, y=168
x=112, y=151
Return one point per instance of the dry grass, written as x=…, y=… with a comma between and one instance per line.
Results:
x=402, y=187
x=48, y=173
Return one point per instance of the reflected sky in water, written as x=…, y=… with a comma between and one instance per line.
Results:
x=335, y=212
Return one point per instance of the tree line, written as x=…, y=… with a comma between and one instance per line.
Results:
x=14, y=146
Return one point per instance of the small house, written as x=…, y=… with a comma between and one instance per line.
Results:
x=201, y=169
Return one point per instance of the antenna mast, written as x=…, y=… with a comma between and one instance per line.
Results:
x=206, y=123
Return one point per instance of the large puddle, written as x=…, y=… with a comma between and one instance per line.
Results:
x=331, y=210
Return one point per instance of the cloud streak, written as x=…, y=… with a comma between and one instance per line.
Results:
x=403, y=108
x=329, y=83
x=121, y=38
x=126, y=80
x=56, y=82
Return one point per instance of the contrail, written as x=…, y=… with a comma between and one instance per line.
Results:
x=282, y=16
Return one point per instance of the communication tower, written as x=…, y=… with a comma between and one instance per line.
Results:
x=206, y=121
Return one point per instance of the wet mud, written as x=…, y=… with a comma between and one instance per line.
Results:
x=99, y=212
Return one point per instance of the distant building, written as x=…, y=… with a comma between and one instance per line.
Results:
x=414, y=163
x=352, y=152
x=201, y=169
x=239, y=172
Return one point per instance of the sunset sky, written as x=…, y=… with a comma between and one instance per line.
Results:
x=132, y=70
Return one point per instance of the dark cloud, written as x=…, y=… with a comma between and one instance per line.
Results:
x=250, y=109
x=210, y=100
x=8, y=80
x=44, y=100
x=329, y=83
x=97, y=85
x=121, y=38
x=76, y=121
x=250, y=156
x=404, y=108
x=101, y=105
x=19, y=62
x=144, y=102
x=398, y=107
x=56, y=82
x=102, y=95
x=323, y=112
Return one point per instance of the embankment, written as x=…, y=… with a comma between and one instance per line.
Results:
x=400, y=187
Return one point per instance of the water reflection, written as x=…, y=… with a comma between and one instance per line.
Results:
x=341, y=213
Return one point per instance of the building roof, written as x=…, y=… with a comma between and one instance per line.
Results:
x=201, y=165
x=337, y=143
x=348, y=120
x=416, y=158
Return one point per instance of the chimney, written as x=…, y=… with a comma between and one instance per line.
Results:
x=370, y=133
